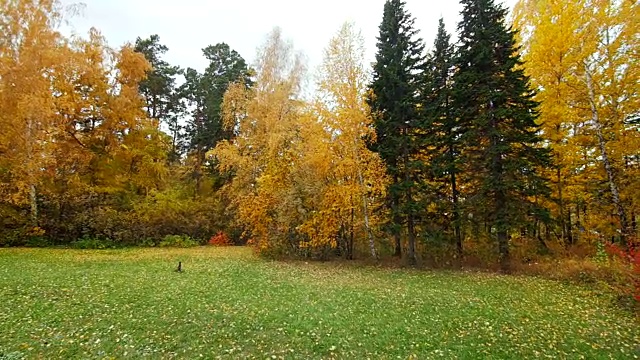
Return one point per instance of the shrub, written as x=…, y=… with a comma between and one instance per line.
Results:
x=181, y=241
x=148, y=242
x=220, y=239
x=630, y=255
x=89, y=243
x=37, y=242
x=614, y=276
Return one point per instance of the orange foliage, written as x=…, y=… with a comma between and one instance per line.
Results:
x=220, y=239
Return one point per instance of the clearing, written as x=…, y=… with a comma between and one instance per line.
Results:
x=66, y=304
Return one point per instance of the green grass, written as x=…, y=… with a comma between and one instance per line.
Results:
x=67, y=304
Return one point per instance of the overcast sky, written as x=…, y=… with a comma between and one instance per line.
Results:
x=187, y=26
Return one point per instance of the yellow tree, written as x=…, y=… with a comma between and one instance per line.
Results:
x=582, y=56
x=71, y=115
x=264, y=152
x=32, y=53
x=355, y=175
x=106, y=143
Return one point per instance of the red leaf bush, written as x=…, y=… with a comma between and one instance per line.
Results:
x=630, y=254
x=220, y=239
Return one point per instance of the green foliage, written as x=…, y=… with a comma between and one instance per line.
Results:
x=14, y=355
x=163, y=102
x=204, y=93
x=89, y=243
x=129, y=220
x=497, y=115
x=601, y=256
x=394, y=105
x=178, y=241
x=228, y=304
x=148, y=242
x=12, y=237
x=442, y=130
x=38, y=242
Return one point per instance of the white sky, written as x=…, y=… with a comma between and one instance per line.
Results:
x=187, y=26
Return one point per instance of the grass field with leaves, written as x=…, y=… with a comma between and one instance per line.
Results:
x=72, y=304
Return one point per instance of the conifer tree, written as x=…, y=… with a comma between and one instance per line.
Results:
x=442, y=128
x=495, y=103
x=159, y=89
x=394, y=103
x=204, y=93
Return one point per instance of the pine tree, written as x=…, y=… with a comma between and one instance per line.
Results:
x=502, y=146
x=163, y=101
x=442, y=128
x=394, y=103
x=204, y=93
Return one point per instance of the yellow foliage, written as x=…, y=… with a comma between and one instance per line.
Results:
x=302, y=171
x=70, y=111
x=582, y=57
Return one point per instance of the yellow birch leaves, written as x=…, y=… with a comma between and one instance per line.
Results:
x=302, y=168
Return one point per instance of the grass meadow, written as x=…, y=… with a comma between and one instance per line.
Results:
x=229, y=304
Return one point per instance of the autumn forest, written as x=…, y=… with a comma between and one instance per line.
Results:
x=517, y=142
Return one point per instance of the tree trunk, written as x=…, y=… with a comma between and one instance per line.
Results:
x=457, y=233
x=613, y=186
x=365, y=205
x=197, y=173
x=569, y=230
x=503, y=248
x=365, y=212
x=501, y=223
x=396, y=229
x=456, y=212
x=538, y=235
x=199, y=157
x=351, y=233
x=411, y=252
x=576, y=237
x=563, y=226
x=33, y=200
x=500, y=215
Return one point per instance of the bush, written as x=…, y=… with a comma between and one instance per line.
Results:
x=630, y=255
x=37, y=242
x=88, y=243
x=148, y=242
x=127, y=219
x=220, y=239
x=180, y=241
x=614, y=276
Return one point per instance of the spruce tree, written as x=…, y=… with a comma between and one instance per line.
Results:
x=497, y=113
x=442, y=129
x=394, y=104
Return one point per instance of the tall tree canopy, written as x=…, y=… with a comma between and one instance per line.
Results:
x=355, y=176
x=506, y=139
x=394, y=103
x=263, y=154
x=159, y=89
x=494, y=105
x=204, y=94
x=442, y=130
